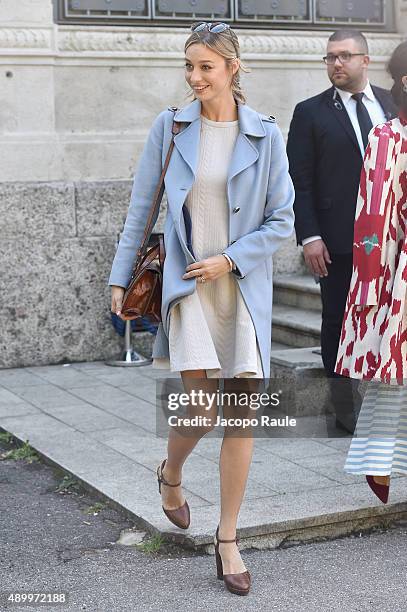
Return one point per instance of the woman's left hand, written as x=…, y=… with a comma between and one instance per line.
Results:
x=210, y=268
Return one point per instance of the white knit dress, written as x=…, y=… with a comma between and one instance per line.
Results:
x=212, y=329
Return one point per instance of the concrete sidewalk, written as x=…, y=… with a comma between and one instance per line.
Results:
x=98, y=423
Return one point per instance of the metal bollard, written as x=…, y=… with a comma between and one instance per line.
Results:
x=129, y=357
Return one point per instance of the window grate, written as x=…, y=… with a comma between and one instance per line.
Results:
x=317, y=14
x=351, y=12
x=106, y=10
x=278, y=11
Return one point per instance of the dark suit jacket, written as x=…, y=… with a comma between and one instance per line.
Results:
x=325, y=165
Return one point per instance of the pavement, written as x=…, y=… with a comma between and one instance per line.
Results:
x=55, y=542
x=98, y=423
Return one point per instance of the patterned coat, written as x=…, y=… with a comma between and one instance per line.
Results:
x=373, y=343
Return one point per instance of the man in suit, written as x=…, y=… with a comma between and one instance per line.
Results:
x=326, y=143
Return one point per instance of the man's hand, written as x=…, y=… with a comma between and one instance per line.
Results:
x=316, y=257
x=210, y=268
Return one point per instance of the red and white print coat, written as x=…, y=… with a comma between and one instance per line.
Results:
x=373, y=343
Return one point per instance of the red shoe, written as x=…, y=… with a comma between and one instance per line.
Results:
x=380, y=490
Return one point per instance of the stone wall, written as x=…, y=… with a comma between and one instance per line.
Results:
x=76, y=104
x=57, y=242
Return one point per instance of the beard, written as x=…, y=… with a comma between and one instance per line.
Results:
x=340, y=76
x=342, y=81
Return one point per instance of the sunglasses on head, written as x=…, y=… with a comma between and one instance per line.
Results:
x=215, y=27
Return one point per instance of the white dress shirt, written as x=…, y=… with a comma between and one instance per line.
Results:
x=376, y=114
x=373, y=107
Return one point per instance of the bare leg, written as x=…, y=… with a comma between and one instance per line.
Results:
x=384, y=480
x=235, y=459
x=182, y=441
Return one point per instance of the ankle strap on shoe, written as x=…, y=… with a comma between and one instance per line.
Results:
x=224, y=541
x=162, y=479
x=227, y=541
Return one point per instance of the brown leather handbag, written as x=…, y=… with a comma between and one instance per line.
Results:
x=142, y=297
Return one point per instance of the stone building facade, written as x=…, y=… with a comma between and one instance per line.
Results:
x=76, y=104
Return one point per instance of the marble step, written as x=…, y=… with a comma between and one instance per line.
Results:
x=298, y=290
x=296, y=327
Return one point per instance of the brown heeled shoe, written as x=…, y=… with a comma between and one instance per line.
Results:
x=239, y=584
x=380, y=490
x=180, y=516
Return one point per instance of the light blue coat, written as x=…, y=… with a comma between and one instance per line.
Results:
x=260, y=198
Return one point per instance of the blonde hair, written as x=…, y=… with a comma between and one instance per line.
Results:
x=225, y=44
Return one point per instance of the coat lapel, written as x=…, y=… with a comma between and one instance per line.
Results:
x=341, y=115
x=187, y=143
x=245, y=153
x=184, y=169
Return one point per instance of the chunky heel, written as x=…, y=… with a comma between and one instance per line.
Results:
x=219, y=567
x=238, y=584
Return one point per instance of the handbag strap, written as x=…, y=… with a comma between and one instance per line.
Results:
x=159, y=192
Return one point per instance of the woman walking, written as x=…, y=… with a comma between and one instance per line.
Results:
x=229, y=208
x=374, y=332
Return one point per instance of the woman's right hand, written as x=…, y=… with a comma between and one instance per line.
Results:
x=117, y=299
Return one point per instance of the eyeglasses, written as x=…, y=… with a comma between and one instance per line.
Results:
x=343, y=57
x=216, y=27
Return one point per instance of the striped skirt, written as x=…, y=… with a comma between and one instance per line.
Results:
x=379, y=446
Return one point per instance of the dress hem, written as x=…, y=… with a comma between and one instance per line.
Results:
x=237, y=372
x=376, y=473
